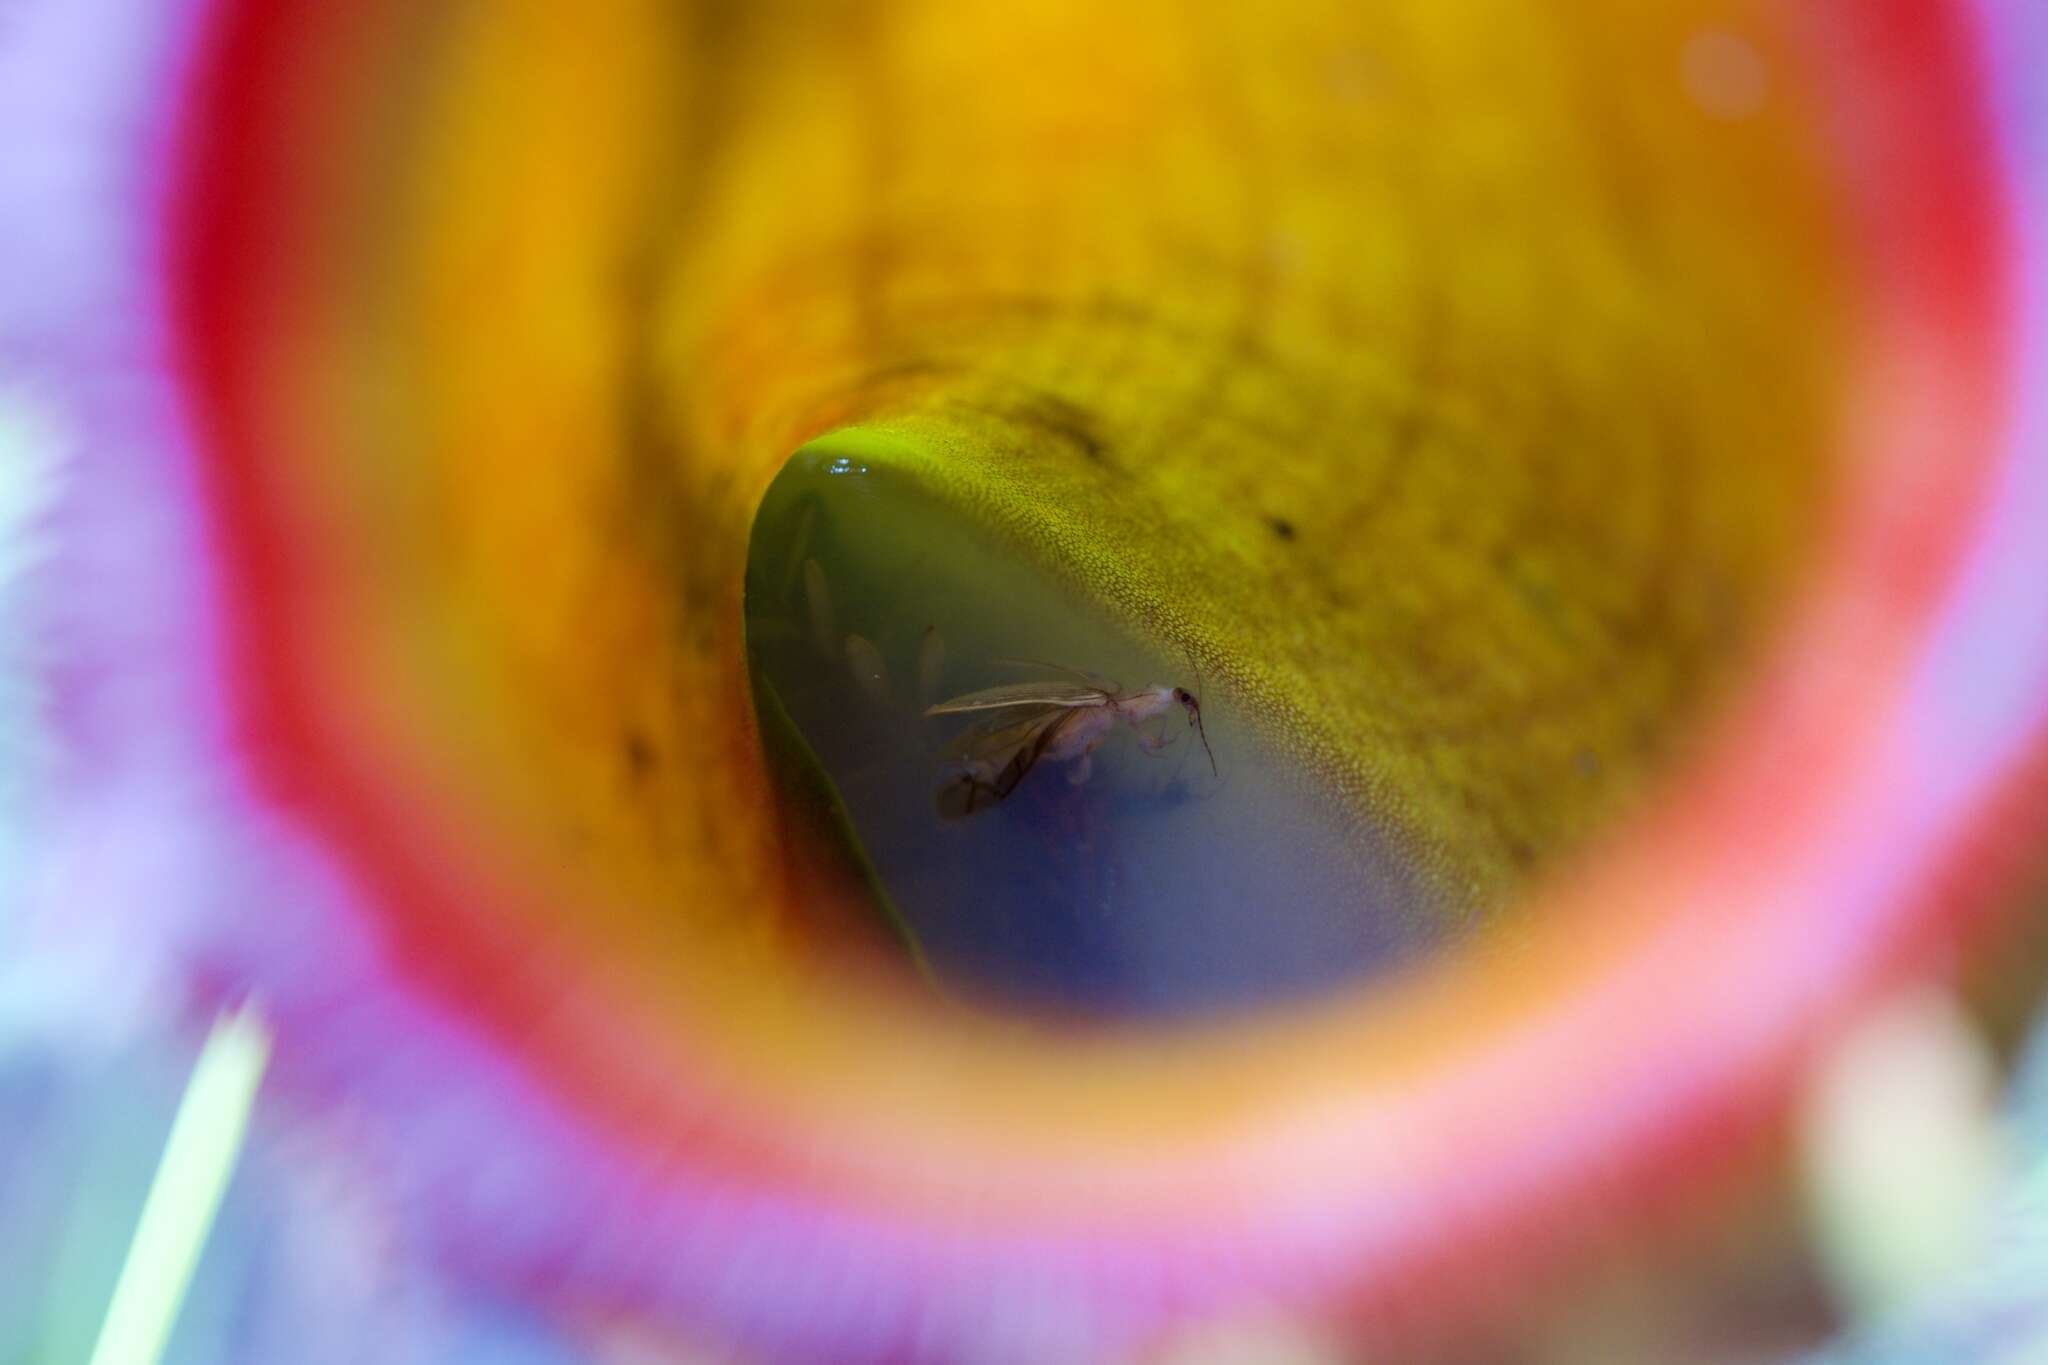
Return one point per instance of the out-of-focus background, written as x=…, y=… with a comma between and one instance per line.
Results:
x=151, y=891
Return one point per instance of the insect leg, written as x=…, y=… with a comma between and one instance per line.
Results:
x=799, y=550
x=869, y=670
x=818, y=597
x=931, y=667
x=1152, y=743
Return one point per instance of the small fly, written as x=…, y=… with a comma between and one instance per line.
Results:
x=1061, y=721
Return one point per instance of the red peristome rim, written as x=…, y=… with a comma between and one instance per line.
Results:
x=233, y=244
x=1920, y=167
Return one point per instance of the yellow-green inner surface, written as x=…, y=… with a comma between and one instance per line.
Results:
x=1452, y=382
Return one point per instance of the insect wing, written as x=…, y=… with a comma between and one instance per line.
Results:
x=990, y=741
x=1044, y=694
x=999, y=755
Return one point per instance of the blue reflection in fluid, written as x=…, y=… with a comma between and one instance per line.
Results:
x=1154, y=886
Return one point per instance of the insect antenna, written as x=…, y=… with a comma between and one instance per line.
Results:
x=1195, y=714
x=1179, y=767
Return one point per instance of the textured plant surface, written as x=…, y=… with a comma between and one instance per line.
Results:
x=1599, y=444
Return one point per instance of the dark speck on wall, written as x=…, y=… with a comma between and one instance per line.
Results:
x=640, y=756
